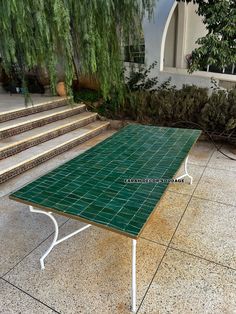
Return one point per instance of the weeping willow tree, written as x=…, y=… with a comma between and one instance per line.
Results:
x=82, y=36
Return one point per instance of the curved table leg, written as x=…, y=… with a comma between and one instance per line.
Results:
x=55, y=240
x=186, y=174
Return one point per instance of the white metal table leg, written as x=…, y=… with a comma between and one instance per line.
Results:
x=55, y=240
x=186, y=174
x=134, y=289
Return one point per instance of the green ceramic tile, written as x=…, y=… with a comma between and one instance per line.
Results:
x=92, y=186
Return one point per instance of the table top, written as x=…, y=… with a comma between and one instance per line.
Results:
x=92, y=187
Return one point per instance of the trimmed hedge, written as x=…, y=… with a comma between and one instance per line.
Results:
x=215, y=112
x=166, y=105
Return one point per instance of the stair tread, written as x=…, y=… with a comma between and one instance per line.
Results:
x=32, y=152
x=45, y=128
x=41, y=169
x=40, y=115
x=17, y=102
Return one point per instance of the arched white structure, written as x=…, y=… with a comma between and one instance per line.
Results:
x=155, y=34
x=155, y=31
x=163, y=41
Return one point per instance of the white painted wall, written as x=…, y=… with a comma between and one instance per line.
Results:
x=155, y=33
x=170, y=43
x=183, y=31
x=195, y=28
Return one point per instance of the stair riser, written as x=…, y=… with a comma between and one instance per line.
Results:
x=43, y=138
x=27, y=111
x=33, y=163
x=35, y=124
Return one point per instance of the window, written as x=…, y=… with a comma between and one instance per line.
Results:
x=135, y=53
x=215, y=69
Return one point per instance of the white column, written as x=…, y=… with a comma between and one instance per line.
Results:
x=181, y=35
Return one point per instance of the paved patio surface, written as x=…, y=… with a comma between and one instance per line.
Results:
x=186, y=257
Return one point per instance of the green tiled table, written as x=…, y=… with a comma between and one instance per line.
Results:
x=93, y=186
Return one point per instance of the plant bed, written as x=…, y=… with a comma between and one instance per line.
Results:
x=90, y=97
x=148, y=102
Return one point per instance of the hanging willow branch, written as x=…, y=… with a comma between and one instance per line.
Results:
x=50, y=32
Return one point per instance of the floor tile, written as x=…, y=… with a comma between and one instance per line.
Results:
x=208, y=230
x=90, y=273
x=20, y=232
x=14, y=301
x=186, y=284
x=201, y=153
x=186, y=188
x=163, y=222
x=218, y=185
x=222, y=162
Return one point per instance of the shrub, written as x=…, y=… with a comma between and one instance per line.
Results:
x=145, y=102
x=87, y=95
x=220, y=111
x=163, y=106
x=180, y=105
x=140, y=80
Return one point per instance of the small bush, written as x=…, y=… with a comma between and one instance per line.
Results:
x=180, y=105
x=220, y=111
x=167, y=105
x=145, y=102
x=140, y=80
x=86, y=95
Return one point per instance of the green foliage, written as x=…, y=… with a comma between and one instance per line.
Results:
x=167, y=106
x=218, y=47
x=87, y=95
x=220, y=111
x=140, y=80
x=181, y=105
x=85, y=34
x=137, y=81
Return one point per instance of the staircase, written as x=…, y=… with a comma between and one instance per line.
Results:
x=31, y=136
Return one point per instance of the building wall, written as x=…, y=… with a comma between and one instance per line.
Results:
x=195, y=28
x=170, y=43
x=155, y=29
x=160, y=42
x=155, y=34
x=183, y=31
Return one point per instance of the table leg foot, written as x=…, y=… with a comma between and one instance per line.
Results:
x=186, y=174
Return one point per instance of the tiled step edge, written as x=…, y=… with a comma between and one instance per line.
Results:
x=35, y=123
x=17, y=113
x=59, y=149
x=46, y=136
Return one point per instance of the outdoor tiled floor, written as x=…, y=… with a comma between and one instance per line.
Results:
x=186, y=260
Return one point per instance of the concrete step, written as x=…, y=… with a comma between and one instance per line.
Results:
x=21, y=110
x=19, y=125
x=15, y=144
x=29, y=158
x=32, y=174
